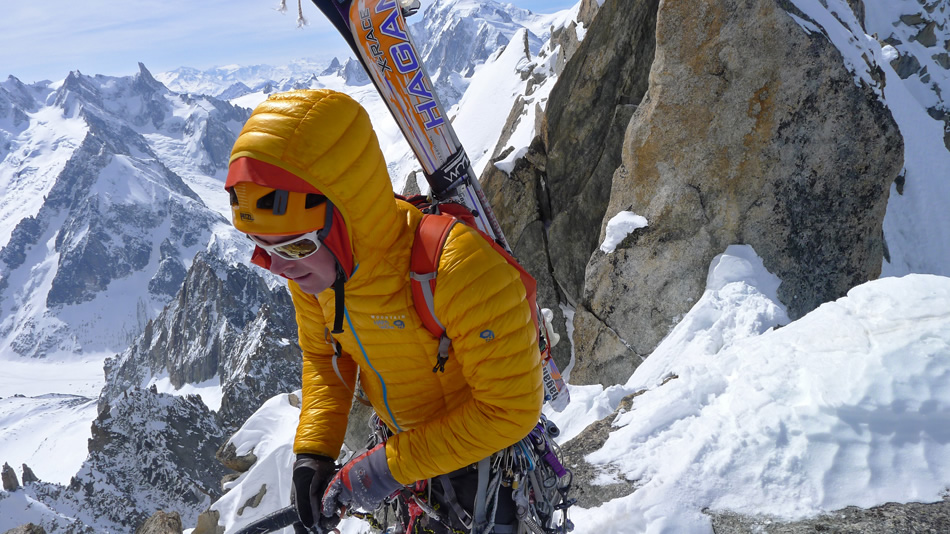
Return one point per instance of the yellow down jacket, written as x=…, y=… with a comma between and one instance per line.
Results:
x=489, y=395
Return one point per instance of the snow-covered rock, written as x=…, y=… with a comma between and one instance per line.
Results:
x=736, y=412
x=147, y=452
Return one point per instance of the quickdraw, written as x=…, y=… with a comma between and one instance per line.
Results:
x=539, y=481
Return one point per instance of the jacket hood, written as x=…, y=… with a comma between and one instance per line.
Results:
x=326, y=139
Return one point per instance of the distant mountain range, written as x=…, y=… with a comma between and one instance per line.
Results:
x=107, y=169
x=121, y=175
x=453, y=37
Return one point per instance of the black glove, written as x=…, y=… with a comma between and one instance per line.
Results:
x=312, y=473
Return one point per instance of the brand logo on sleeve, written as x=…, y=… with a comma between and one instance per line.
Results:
x=487, y=335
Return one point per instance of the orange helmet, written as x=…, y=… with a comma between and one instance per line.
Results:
x=268, y=200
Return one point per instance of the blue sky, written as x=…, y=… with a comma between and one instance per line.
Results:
x=49, y=38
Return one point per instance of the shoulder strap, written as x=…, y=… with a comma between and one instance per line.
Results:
x=430, y=238
x=427, y=247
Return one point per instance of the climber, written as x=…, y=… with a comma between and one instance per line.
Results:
x=309, y=186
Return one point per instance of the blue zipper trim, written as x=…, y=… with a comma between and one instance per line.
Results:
x=346, y=313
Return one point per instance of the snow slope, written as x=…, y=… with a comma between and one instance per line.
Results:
x=46, y=432
x=30, y=169
x=849, y=405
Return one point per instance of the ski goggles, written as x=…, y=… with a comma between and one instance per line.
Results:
x=297, y=248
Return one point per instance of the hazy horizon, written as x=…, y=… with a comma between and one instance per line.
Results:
x=46, y=42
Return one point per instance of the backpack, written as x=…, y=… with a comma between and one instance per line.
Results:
x=437, y=221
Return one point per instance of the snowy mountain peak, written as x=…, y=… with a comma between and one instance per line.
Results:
x=332, y=68
x=216, y=80
x=112, y=215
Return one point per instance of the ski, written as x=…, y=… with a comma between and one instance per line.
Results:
x=273, y=522
x=377, y=32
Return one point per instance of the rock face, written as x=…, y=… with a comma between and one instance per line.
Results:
x=161, y=523
x=522, y=198
x=28, y=475
x=228, y=456
x=165, y=468
x=886, y=519
x=742, y=138
x=208, y=523
x=551, y=203
x=8, y=478
x=587, y=112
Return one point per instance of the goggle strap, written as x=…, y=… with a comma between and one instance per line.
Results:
x=327, y=223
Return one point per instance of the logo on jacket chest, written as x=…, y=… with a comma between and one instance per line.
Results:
x=389, y=322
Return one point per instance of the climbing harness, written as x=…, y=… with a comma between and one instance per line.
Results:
x=530, y=473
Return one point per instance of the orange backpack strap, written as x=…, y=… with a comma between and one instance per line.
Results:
x=431, y=235
x=427, y=247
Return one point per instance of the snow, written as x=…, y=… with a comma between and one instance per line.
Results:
x=849, y=405
x=250, y=100
x=179, y=146
x=46, y=411
x=619, y=227
x=47, y=432
x=57, y=373
x=481, y=114
x=29, y=510
x=36, y=157
x=209, y=390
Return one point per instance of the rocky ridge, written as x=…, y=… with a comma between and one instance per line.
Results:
x=632, y=87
